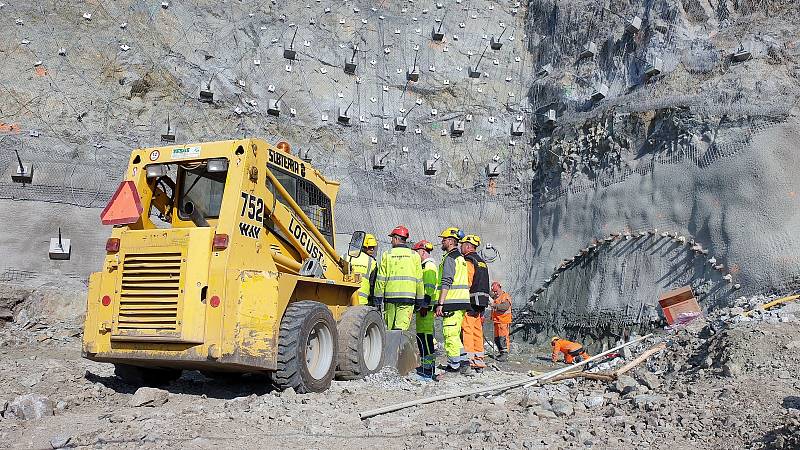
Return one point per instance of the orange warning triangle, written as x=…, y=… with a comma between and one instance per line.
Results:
x=125, y=207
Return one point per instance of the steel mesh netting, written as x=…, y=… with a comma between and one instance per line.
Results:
x=16, y=276
x=170, y=51
x=677, y=152
x=586, y=296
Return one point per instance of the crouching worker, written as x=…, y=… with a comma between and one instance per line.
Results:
x=573, y=351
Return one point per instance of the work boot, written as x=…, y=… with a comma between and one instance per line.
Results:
x=449, y=369
x=420, y=378
x=466, y=370
x=502, y=357
x=429, y=372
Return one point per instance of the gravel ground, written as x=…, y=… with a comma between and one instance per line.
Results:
x=722, y=382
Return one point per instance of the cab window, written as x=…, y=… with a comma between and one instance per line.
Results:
x=203, y=188
x=315, y=204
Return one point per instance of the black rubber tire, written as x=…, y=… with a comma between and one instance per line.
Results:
x=352, y=330
x=146, y=376
x=298, y=321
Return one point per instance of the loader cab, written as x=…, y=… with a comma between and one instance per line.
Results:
x=187, y=194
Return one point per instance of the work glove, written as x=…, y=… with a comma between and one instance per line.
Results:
x=423, y=303
x=423, y=312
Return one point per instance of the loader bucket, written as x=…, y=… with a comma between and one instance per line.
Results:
x=400, y=351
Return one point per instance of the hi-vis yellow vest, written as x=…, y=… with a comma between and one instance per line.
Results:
x=364, y=265
x=399, y=277
x=458, y=293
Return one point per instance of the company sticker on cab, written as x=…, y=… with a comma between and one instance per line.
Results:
x=185, y=152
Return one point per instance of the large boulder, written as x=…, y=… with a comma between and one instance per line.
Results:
x=594, y=402
x=147, y=396
x=29, y=407
x=648, y=379
x=562, y=407
x=624, y=385
x=648, y=402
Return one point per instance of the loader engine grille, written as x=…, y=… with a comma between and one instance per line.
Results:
x=151, y=289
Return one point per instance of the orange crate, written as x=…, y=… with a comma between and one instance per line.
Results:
x=678, y=301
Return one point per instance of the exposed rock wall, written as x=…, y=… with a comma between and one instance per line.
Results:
x=704, y=148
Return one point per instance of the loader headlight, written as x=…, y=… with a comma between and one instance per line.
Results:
x=217, y=165
x=156, y=170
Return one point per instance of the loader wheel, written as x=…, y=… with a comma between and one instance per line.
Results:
x=145, y=376
x=306, y=348
x=362, y=334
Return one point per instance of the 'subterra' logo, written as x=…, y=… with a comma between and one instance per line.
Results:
x=282, y=161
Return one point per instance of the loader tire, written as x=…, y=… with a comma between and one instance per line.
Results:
x=307, y=348
x=145, y=376
x=362, y=334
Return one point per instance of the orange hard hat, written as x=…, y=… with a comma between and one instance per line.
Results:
x=400, y=231
x=496, y=287
x=423, y=244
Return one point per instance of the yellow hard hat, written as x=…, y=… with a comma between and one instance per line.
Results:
x=451, y=232
x=473, y=239
x=370, y=241
x=554, y=339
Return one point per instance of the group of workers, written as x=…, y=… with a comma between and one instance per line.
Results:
x=407, y=283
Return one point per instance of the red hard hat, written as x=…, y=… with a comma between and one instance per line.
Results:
x=496, y=287
x=401, y=231
x=423, y=244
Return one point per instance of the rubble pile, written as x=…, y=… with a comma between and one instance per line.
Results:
x=721, y=382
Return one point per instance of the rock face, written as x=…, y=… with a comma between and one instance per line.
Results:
x=146, y=396
x=633, y=160
x=30, y=407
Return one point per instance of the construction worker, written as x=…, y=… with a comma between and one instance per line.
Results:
x=573, y=351
x=501, y=318
x=480, y=299
x=366, y=266
x=452, y=298
x=427, y=371
x=398, y=285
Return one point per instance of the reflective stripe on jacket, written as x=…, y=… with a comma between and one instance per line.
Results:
x=364, y=265
x=429, y=277
x=501, y=308
x=399, y=277
x=453, y=276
